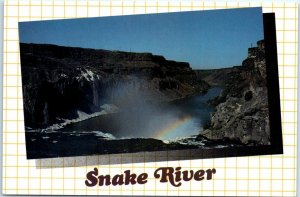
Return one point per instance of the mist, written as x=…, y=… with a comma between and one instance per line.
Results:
x=144, y=115
x=146, y=112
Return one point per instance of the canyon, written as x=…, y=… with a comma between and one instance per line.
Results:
x=58, y=81
x=65, y=86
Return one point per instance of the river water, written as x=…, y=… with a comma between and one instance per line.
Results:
x=182, y=118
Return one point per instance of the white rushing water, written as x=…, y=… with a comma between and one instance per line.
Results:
x=107, y=109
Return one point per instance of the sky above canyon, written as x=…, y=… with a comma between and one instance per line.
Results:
x=205, y=39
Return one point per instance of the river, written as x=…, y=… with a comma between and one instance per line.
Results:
x=132, y=127
x=182, y=118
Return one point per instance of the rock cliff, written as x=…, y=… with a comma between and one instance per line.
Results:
x=216, y=77
x=242, y=109
x=58, y=81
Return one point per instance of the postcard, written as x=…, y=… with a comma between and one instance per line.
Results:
x=158, y=98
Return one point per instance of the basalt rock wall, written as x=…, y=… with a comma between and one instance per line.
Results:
x=58, y=81
x=242, y=109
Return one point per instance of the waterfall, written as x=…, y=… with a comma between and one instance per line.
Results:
x=46, y=114
x=95, y=93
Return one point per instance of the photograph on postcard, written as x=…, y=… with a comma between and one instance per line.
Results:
x=197, y=81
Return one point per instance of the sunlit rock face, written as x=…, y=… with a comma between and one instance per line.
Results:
x=60, y=81
x=242, y=111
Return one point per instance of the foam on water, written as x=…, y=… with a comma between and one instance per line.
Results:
x=107, y=109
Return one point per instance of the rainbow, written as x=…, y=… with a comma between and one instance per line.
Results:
x=172, y=127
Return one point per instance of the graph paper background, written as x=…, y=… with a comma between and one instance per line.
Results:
x=273, y=175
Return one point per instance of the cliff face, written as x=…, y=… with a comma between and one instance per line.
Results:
x=242, y=109
x=216, y=77
x=59, y=81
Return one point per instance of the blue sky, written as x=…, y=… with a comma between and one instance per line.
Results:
x=205, y=39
